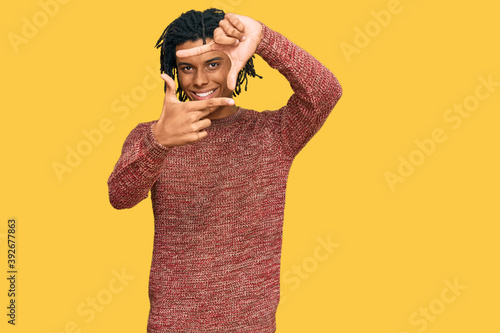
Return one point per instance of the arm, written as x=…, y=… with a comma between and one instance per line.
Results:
x=137, y=169
x=316, y=90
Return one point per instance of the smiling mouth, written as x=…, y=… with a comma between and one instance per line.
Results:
x=205, y=95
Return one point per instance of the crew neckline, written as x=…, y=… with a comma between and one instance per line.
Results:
x=228, y=119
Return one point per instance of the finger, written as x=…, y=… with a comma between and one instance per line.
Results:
x=222, y=39
x=232, y=76
x=171, y=87
x=202, y=124
x=196, y=50
x=195, y=136
x=208, y=103
x=202, y=134
x=230, y=30
x=201, y=114
x=235, y=21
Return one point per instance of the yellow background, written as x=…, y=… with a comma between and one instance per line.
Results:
x=396, y=248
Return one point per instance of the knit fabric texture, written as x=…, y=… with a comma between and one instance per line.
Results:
x=219, y=203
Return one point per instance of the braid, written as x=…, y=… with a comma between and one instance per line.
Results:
x=243, y=76
x=203, y=30
x=191, y=26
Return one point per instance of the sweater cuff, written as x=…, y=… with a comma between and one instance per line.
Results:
x=269, y=46
x=264, y=43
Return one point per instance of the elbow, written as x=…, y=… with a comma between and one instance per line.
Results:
x=339, y=90
x=117, y=199
x=325, y=92
x=123, y=196
x=116, y=202
x=336, y=89
x=123, y=199
x=333, y=92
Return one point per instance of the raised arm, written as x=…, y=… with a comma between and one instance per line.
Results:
x=316, y=90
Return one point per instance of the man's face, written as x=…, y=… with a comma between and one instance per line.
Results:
x=203, y=76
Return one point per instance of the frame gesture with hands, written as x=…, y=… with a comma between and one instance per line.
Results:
x=238, y=37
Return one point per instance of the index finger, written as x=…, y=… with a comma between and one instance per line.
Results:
x=196, y=50
x=208, y=103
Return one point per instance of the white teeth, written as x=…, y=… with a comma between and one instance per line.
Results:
x=205, y=94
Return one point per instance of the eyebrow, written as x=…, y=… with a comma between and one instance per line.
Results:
x=208, y=61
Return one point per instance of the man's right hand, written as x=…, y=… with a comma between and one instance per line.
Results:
x=182, y=123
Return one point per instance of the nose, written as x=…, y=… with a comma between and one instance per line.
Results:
x=201, y=78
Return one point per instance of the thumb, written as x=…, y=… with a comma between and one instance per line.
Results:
x=171, y=87
x=232, y=76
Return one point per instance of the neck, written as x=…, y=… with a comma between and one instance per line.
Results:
x=222, y=112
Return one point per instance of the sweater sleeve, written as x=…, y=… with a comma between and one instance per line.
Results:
x=316, y=90
x=137, y=168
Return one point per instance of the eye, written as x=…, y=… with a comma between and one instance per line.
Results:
x=213, y=65
x=186, y=68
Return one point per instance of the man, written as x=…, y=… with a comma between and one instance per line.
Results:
x=217, y=172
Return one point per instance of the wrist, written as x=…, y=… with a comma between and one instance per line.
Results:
x=263, y=38
x=159, y=137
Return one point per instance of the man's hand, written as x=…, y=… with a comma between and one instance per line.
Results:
x=183, y=123
x=237, y=36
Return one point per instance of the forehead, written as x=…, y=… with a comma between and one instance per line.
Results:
x=199, y=58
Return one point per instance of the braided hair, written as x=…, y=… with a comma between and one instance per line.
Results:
x=191, y=26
